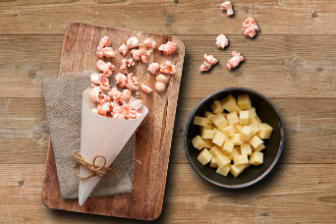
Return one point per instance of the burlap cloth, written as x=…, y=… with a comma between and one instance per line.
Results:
x=63, y=101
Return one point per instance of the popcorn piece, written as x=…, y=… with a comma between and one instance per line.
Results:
x=221, y=41
x=250, y=27
x=123, y=49
x=205, y=67
x=227, y=6
x=136, y=104
x=146, y=89
x=107, y=52
x=121, y=79
x=126, y=63
x=96, y=94
x=141, y=54
x=125, y=96
x=132, y=82
x=96, y=78
x=114, y=93
x=107, y=68
x=152, y=68
x=234, y=61
x=210, y=59
x=150, y=43
x=168, y=68
x=105, y=84
x=103, y=108
x=132, y=42
x=104, y=42
x=168, y=48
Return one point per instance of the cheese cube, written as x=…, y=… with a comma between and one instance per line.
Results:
x=252, y=112
x=225, y=170
x=227, y=147
x=232, y=118
x=238, y=128
x=209, y=114
x=265, y=131
x=201, y=121
x=215, y=151
x=198, y=142
x=208, y=143
x=236, y=139
x=215, y=130
x=219, y=138
x=235, y=152
x=256, y=142
x=244, y=102
x=213, y=163
x=244, y=117
x=256, y=158
x=246, y=149
x=256, y=120
x=217, y=107
x=260, y=148
x=235, y=108
x=207, y=133
x=204, y=157
x=246, y=133
x=235, y=170
x=222, y=160
x=208, y=126
x=255, y=129
x=220, y=121
x=229, y=131
x=241, y=159
x=228, y=102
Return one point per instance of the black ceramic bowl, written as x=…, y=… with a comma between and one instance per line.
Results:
x=266, y=112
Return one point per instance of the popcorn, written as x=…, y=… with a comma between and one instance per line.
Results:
x=221, y=41
x=168, y=68
x=150, y=43
x=227, y=6
x=250, y=27
x=234, y=61
x=168, y=48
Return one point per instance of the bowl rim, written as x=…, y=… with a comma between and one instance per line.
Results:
x=269, y=169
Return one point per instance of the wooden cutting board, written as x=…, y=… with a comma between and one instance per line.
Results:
x=153, y=137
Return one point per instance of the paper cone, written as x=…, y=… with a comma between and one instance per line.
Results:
x=101, y=136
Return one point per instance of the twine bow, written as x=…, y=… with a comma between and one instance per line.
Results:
x=99, y=171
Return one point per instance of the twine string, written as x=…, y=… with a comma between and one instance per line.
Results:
x=96, y=170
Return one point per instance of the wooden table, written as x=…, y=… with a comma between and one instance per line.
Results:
x=292, y=61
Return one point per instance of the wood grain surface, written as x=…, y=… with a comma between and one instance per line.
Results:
x=292, y=61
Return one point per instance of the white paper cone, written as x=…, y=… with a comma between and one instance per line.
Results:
x=101, y=136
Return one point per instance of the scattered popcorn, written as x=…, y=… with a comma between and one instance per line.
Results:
x=121, y=79
x=146, y=89
x=123, y=49
x=114, y=93
x=96, y=94
x=235, y=60
x=168, y=48
x=141, y=54
x=227, y=6
x=107, y=68
x=103, y=108
x=205, y=67
x=107, y=52
x=221, y=41
x=136, y=104
x=132, y=42
x=125, y=95
x=132, y=82
x=250, y=27
x=168, y=68
x=104, y=42
x=152, y=68
x=150, y=43
x=96, y=78
x=126, y=63
x=208, y=62
x=105, y=84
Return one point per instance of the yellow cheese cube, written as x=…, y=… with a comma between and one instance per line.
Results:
x=255, y=129
x=241, y=159
x=215, y=130
x=225, y=170
x=236, y=139
x=208, y=126
x=222, y=160
x=198, y=142
x=228, y=102
x=244, y=102
x=256, y=158
x=215, y=151
x=209, y=114
x=208, y=143
x=246, y=149
x=238, y=128
x=256, y=142
x=201, y=121
x=265, y=131
x=219, y=138
x=220, y=121
x=260, y=148
x=244, y=117
x=229, y=131
x=217, y=107
x=252, y=112
x=204, y=157
x=256, y=120
x=235, y=152
x=213, y=163
x=232, y=118
x=246, y=133
x=227, y=147
x=207, y=133
x=235, y=170
x=235, y=108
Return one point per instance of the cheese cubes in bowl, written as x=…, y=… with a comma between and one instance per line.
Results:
x=231, y=135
